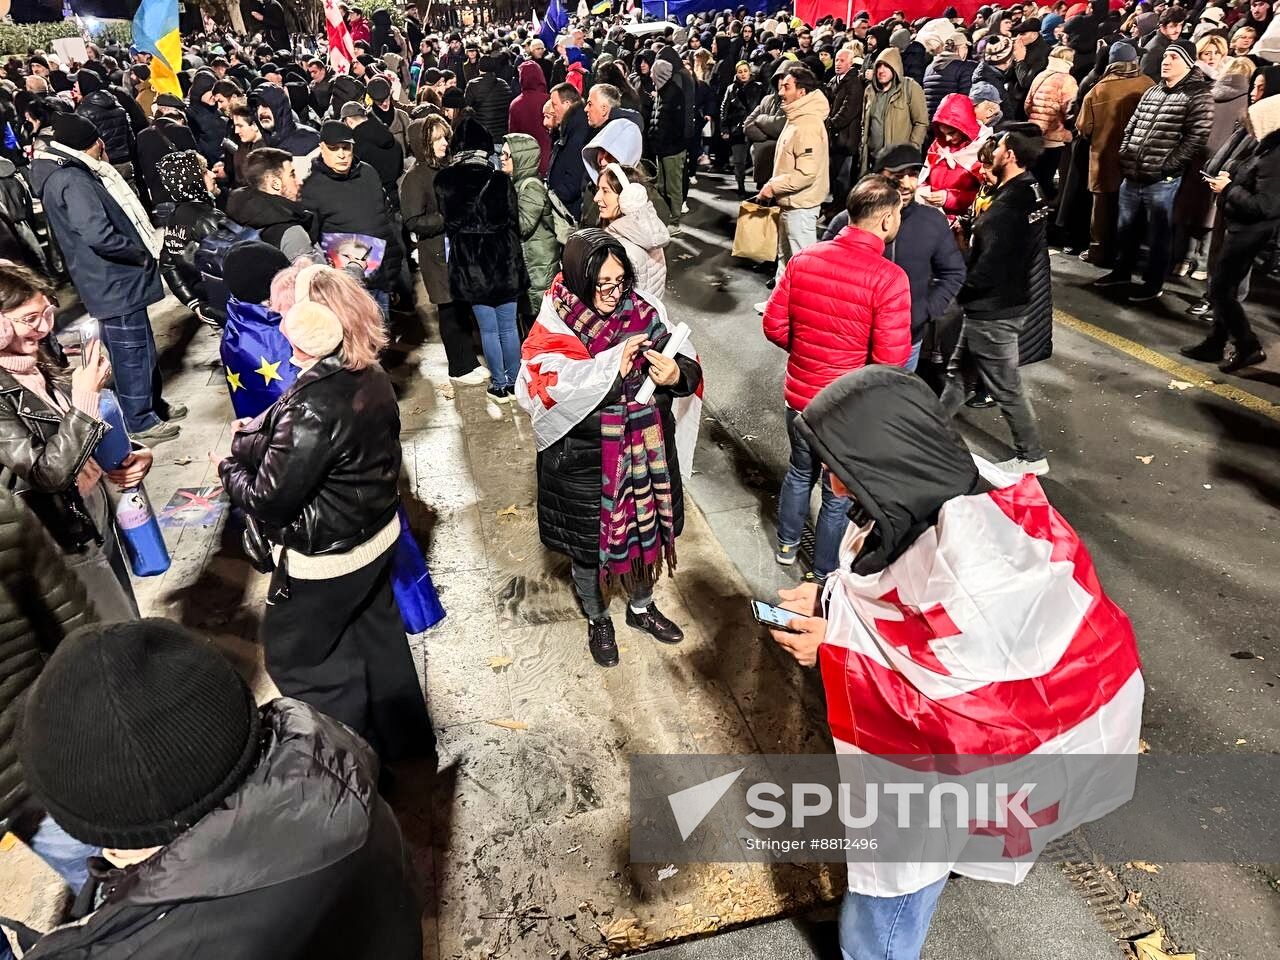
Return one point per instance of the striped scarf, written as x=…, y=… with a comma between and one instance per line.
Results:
x=637, y=519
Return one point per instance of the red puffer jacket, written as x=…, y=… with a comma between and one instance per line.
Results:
x=839, y=306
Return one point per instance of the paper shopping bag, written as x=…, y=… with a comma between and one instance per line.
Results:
x=756, y=236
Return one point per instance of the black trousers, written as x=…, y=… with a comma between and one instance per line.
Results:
x=1227, y=290
x=455, y=333
x=339, y=645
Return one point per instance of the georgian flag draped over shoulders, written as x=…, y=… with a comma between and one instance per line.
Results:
x=341, y=50
x=990, y=638
x=560, y=383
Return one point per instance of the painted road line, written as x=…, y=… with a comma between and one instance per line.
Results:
x=1177, y=370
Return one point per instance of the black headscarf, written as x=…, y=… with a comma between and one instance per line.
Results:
x=183, y=176
x=584, y=255
x=882, y=431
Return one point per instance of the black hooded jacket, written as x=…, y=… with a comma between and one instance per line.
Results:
x=101, y=108
x=354, y=202
x=882, y=431
x=376, y=146
x=288, y=134
x=303, y=860
x=208, y=126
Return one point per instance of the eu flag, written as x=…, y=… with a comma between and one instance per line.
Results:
x=553, y=22
x=256, y=357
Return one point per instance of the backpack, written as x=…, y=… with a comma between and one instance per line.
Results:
x=210, y=256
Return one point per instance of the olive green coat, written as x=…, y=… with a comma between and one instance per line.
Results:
x=537, y=230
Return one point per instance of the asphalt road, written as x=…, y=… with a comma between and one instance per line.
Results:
x=1171, y=481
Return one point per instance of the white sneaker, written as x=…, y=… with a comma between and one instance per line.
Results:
x=477, y=376
x=684, y=208
x=1019, y=466
x=1200, y=275
x=759, y=307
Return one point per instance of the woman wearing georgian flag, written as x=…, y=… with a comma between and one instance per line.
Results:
x=609, y=486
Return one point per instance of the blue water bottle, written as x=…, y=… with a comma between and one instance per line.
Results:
x=136, y=521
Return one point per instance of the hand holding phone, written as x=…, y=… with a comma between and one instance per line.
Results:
x=774, y=617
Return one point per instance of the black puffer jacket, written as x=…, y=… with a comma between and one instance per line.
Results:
x=354, y=202
x=101, y=108
x=41, y=451
x=739, y=100
x=946, y=75
x=377, y=147
x=569, y=474
x=1008, y=239
x=1251, y=202
x=185, y=225
x=319, y=470
x=482, y=222
x=490, y=98
x=41, y=601
x=303, y=861
x=1169, y=129
x=1035, y=342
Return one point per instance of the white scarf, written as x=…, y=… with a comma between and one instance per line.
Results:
x=120, y=191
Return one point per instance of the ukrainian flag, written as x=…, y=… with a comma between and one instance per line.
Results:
x=603, y=7
x=155, y=31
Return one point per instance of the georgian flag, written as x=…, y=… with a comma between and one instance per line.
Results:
x=560, y=383
x=341, y=50
x=989, y=638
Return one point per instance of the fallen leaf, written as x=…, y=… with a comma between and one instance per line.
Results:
x=1133, y=898
x=749, y=436
x=1151, y=947
x=1241, y=743
x=511, y=511
x=1180, y=385
x=498, y=663
x=1207, y=486
x=1144, y=866
x=1218, y=810
x=1145, y=459
x=1143, y=746
x=574, y=849
x=182, y=461
x=447, y=392
x=510, y=724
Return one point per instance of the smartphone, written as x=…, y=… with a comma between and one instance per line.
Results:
x=774, y=616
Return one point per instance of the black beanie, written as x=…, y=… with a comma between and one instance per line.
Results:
x=134, y=731
x=453, y=99
x=249, y=268
x=89, y=82
x=74, y=131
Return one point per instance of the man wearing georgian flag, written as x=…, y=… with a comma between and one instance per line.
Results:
x=964, y=638
x=610, y=494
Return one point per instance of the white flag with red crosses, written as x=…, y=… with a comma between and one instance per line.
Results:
x=989, y=640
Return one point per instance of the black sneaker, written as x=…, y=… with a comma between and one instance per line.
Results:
x=652, y=622
x=499, y=394
x=1207, y=351
x=1145, y=294
x=1111, y=279
x=601, y=642
x=1238, y=359
x=981, y=400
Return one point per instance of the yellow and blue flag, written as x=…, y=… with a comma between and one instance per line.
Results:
x=602, y=7
x=155, y=31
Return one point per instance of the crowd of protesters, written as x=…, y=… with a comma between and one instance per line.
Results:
x=521, y=195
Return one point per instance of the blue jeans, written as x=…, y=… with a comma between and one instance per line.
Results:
x=913, y=361
x=132, y=350
x=887, y=928
x=1157, y=199
x=793, y=504
x=67, y=855
x=383, y=299
x=501, y=341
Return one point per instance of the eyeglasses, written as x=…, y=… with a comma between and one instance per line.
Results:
x=609, y=291
x=34, y=321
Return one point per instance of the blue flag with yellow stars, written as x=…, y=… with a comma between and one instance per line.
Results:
x=255, y=357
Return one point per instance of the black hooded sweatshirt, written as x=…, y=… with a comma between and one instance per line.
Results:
x=882, y=431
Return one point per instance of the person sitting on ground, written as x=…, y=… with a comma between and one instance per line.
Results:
x=142, y=739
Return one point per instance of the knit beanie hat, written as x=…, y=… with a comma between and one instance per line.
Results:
x=1184, y=49
x=249, y=268
x=998, y=49
x=661, y=73
x=74, y=131
x=1122, y=52
x=89, y=82
x=453, y=99
x=134, y=731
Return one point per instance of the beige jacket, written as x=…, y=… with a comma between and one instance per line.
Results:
x=801, y=166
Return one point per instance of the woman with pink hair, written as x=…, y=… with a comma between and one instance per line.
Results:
x=317, y=473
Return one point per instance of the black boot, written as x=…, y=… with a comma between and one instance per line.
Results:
x=1242, y=355
x=601, y=642
x=652, y=622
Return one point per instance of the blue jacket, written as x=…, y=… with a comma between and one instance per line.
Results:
x=112, y=269
x=926, y=249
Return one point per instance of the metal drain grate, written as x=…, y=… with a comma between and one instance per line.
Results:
x=1104, y=894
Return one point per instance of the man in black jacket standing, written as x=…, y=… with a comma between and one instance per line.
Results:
x=666, y=139
x=1007, y=239
x=208, y=126
x=490, y=98
x=1170, y=29
x=565, y=174
x=346, y=196
x=141, y=739
x=1030, y=57
x=1164, y=141
x=844, y=124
